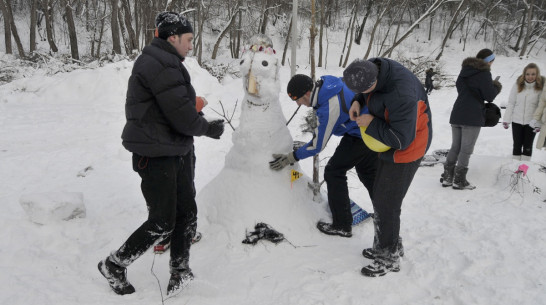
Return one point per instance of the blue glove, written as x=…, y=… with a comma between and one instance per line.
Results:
x=281, y=161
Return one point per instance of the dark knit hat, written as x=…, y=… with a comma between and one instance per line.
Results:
x=298, y=85
x=171, y=23
x=360, y=75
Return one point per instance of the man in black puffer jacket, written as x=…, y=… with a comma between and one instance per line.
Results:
x=162, y=119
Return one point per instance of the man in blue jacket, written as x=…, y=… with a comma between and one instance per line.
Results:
x=331, y=100
x=399, y=116
x=162, y=120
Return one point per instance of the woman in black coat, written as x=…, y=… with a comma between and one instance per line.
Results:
x=474, y=86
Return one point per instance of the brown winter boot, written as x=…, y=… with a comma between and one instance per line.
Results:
x=459, y=181
x=447, y=175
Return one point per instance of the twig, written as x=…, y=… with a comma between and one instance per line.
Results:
x=224, y=114
x=293, y=115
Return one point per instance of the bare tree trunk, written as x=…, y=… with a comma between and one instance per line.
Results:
x=321, y=31
x=123, y=30
x=223, y=33
x=132, y=40
x=451, y=28
x=101, y=33
x=239, y=30
x=528, y=30
x=350, y=39
x=7, y=27
x=263, y=25
x=312, y=36
x=114, y=26
x=33, y=8
x=521, y=31
x=362, y=26
x=429, y=11
x=9, y=16
x=49, y=25
x=286, y=42
x=374, y=29
x=71, y=29
x=201, y=17
x=351, y=21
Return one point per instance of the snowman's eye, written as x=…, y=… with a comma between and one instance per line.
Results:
x=264, y=63
x=242, y=61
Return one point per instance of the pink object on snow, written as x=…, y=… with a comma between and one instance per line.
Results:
x=522, y=169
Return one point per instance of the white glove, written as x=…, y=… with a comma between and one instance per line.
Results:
x=535, y=124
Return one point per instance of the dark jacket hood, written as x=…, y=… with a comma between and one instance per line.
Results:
x=473, y=65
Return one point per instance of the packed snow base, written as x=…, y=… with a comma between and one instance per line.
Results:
x=484, y=246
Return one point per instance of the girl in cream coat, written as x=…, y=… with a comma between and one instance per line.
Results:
x=521, y=106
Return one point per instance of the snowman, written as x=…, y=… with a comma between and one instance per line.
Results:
x=246, y=191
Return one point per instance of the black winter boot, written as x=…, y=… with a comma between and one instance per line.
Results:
x=178, y=281
x=116, y=276
x=369, y=253
x=447, y=175
x=459, y=181
x=328, y=228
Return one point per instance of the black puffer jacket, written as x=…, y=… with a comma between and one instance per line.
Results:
x=474, y=86
x=160, y=105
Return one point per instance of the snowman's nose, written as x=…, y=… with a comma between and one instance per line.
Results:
x=252, y=86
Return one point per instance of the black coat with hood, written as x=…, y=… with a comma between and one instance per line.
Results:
x=160, y=104
x=474, y=86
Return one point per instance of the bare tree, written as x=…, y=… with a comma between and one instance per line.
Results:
x=451, y=27
x=363, y=24
x=430, y=10
x=71, y=28
x=321, y=32
x=7, y=27
x=351, y=38
x=223, y=33
x=114, y=27
x=33, y=8
x=530, y=5
x=374, y=29
x=8, y=14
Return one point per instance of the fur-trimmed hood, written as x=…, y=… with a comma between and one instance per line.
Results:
x=476, y=63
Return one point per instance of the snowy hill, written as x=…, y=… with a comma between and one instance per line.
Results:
x=484, y=246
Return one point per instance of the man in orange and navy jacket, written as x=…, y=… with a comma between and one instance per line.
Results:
x=399, y=117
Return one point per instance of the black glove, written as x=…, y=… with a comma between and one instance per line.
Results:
x=216, y=129
x=282, y=160
x=497, y=85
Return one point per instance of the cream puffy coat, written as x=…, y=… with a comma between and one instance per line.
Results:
x=540, y=116
x=521, y=105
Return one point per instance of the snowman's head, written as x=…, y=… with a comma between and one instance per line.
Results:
x=260, y=69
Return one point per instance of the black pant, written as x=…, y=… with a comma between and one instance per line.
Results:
x=391, y=185
x=524, y=137
x=167, y=185
x=351, y=152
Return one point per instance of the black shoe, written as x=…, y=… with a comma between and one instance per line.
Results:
x=329, y=229
x=116, y=276
x=380, y=268
x=178, y=282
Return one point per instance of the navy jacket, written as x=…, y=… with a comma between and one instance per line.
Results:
x=474, y=86
x=403, y=119
x=160, y=104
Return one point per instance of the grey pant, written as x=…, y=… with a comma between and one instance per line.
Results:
x=462, y=144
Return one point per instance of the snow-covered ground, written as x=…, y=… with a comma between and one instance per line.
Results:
x=484, y=246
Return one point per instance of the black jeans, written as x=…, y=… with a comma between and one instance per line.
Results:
x=167, y=185
x=351, y=152
x=391, y=185
x=524, y=137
